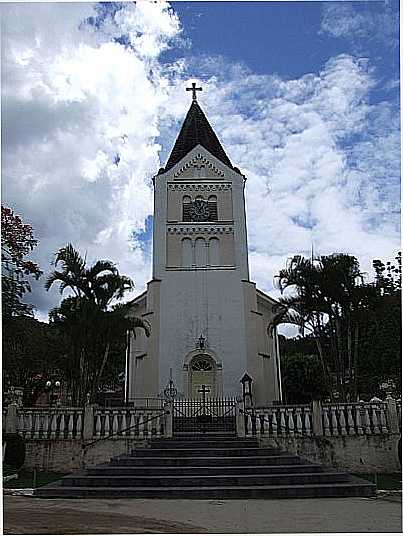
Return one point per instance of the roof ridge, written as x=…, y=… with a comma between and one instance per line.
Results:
x=196, y=130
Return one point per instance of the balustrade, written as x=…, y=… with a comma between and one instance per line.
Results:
x=354, y=418
x=50, y=423
x=128, y=422
x=279, y=421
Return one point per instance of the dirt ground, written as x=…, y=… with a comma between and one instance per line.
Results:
x=28, y=515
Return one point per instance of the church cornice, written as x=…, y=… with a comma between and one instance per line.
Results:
x=197, y=187
x=200, y=229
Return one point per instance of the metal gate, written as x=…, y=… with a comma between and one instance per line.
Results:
x=204, y=415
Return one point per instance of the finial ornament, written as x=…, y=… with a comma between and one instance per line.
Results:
x=193, y=89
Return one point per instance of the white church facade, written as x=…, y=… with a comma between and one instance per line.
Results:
x=209, y=323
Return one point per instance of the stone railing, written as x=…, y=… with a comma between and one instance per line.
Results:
x=359, y=418
x=279, y=420
x=90, y=423
x=128, y=422
x=50, y=423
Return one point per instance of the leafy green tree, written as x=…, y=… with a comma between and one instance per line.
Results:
x=90, y=324
x=17, y=241
x=328, y=299
x=303, y=379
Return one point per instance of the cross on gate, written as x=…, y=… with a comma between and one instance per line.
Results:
x=204, y=390
x=193, y=89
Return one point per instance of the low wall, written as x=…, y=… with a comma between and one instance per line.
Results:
x=66, y=455
x=354, y=454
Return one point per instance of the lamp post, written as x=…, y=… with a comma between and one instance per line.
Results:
x=246, y=382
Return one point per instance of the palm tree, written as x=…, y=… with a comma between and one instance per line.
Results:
x=329, y=298
x=88, y=317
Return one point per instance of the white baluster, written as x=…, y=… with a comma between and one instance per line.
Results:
x=375, y=420
x=266, y=423
x=79, y=424
x=350, y=421
x=115, y=424
x=274, y=423
x=358, y=408
x=53, y=425
x=291, y=425
x=107, y=423
x=28, y=424
x=141, y=426
x=342, y=421
x=326, y=426
x=71, y=424
x=307, y=423
x=132, y=431
x=367, y=422
x=335, y=430
x=384, y=428
x=149, y=424
x=21, y=423
x=40, y=420
x=299, y=421
x=282, y=430
x=98, y=424
x=124, y=424
x=62, y=425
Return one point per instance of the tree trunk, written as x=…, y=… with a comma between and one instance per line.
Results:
x=101, y=370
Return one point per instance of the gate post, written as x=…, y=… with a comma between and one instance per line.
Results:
x=168, y=408
x=240, y=419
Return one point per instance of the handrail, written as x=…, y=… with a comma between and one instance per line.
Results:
x=119, y=432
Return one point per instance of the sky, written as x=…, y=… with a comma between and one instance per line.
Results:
x=304, y=97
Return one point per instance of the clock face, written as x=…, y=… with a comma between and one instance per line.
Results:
x=199, y=211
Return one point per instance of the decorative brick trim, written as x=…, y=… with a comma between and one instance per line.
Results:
x=208, y=230
x=197, y=161
x=199, y=187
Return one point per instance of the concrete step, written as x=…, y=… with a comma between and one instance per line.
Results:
x=354, y=488
x=203, y=481
x=183, y=461
x=180, y=444
x=205, y=451
x=200, y=470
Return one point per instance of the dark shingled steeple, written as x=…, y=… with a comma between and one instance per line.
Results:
x=196, y=129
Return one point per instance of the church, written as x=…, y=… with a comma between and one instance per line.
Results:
x=209, y=323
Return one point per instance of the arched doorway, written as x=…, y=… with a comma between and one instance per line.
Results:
x=202, y=372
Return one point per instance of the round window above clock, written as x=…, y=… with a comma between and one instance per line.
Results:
x=199, y=210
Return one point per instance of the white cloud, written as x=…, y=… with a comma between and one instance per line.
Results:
x=322, y=161
x=80, y=116
x=362, y=22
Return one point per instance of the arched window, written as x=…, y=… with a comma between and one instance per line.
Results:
x=212, y=203
x=202, y=363
x=187, y=253
x=186, y=204
x=214, y=252
x=200, y=252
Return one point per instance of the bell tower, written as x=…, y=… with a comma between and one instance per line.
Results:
x=203, y=310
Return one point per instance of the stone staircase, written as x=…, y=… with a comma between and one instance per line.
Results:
x=208, y=467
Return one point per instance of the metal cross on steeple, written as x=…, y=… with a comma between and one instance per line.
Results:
x=194, y=89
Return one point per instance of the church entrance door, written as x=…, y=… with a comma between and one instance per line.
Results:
x=203, y=372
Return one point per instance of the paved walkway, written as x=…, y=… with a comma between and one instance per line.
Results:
x=28, y=515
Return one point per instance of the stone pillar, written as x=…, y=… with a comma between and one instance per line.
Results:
x=168, y=408
x=240, y=419
x=317, y=427
x=12, y=418
x=88, y=422
x=392, y=415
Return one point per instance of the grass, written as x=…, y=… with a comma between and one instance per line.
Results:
x=26, y=479
x=384, y=481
